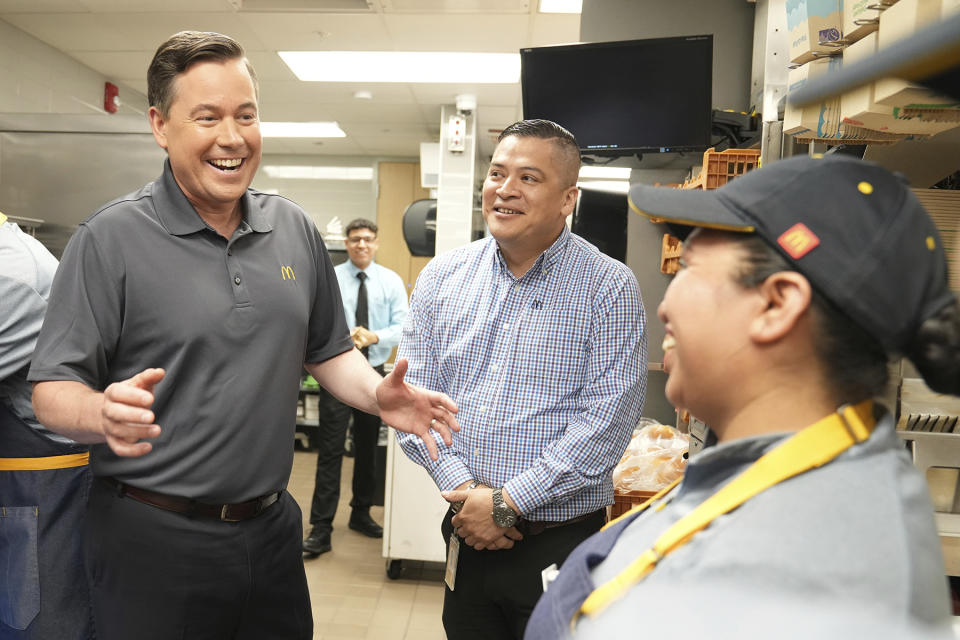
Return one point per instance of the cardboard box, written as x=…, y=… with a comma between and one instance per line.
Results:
x=900, y=21
x=859, y=107
x=820, y=120
x=860, y=17
x=810, y=22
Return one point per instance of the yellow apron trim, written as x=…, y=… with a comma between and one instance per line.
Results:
x=3, y=218
x=809, y=448
x=42, y=464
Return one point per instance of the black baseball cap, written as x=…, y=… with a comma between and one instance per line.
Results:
x=852, y=228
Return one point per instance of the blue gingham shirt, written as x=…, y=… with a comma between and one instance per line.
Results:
x=386, y=305
x=549, y=371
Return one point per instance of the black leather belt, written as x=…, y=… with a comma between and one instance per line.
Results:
x=534, y=527
x=225, y=512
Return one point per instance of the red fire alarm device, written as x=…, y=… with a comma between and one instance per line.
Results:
x=111, y=98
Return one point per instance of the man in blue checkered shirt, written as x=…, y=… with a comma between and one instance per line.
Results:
x=541, y=341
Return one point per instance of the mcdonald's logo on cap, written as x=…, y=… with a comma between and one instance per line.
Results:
x=798, y=241
x=287, y=272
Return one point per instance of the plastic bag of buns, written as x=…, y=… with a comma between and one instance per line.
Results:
x=654, y=458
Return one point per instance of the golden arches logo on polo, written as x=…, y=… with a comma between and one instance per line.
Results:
x=286, y=271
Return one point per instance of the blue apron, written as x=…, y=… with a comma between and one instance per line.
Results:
x=551, y=617
x=43, y=585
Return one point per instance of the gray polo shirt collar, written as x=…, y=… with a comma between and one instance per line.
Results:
x=178, y=216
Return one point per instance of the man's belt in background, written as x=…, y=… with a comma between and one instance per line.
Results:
x=225, y=512
x=534, y=527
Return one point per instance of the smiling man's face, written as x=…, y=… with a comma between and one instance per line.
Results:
x=527, y=194
x=212, y=133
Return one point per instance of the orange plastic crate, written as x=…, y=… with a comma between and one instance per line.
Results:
x=720, y=167
x=623, y=501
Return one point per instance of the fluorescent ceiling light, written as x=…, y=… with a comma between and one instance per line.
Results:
x=605, y=173
x=613, y=186
x=561, y=6
x=404, y=66
x=301, y=130
x=301, y=172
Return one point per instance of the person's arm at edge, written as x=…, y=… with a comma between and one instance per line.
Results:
x=23, y=309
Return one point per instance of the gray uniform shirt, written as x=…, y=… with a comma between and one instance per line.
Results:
x=144, y=282
x=858, y=531
x=26, y=273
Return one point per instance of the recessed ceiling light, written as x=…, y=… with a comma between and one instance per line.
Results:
x=404, y=66
x=363, y=95
x=561, y=6
x=301, y=130
x=310, y=172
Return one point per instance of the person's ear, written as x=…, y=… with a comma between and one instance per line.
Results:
x=786, y=296
x=570, y=200
x=158, y=126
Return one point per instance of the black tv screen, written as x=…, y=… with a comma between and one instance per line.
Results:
x=626, y=97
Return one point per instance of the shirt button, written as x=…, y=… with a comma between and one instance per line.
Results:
x=494, y=367
x=506, y=326
x=229, y=252
x=483, y=409
x=236, y=278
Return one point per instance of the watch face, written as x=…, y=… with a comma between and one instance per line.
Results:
x=503, y=515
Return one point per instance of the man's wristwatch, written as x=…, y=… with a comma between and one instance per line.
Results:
x=503, y=515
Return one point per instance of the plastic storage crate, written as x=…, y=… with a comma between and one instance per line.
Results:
x=720, y=167
x=623, y=501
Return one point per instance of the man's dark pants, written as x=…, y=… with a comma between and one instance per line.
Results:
x=331, y=436
x=495, y=591
x=157, y=575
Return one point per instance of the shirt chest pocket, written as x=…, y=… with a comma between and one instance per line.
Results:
x=377, y=299
x=556, y=341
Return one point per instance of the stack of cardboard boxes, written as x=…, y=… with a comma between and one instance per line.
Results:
x=825, y=34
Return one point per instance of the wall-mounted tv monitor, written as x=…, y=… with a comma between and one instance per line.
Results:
x=620, y=98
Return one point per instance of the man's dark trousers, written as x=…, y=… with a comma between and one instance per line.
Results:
x=495, y=591
x=334, y=418
x=159, y=575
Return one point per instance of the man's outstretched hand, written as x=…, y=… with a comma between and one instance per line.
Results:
x=416, y=410
x=127, y=416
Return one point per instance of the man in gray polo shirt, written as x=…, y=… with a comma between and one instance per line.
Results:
x=176, y=332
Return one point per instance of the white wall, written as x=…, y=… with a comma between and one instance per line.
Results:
x=324, y=199
x=36, y=78
x=730, y=22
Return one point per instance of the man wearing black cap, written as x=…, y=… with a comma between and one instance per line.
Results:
x=799, y=282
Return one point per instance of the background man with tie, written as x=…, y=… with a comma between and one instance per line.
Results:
x=375, y=304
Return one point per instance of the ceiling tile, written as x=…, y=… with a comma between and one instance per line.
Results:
x=456, y=6
x=318, y=32
x=448, y=32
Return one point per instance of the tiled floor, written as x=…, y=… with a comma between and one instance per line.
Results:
x=352, y=596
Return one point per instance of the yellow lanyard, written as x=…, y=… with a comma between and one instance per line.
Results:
x=808, y=449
